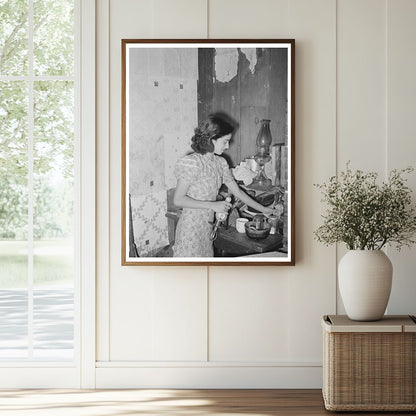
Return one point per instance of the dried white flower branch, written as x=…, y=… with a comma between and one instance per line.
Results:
x=365, y=215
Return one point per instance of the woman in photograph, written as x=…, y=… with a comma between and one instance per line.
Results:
x=199, y=178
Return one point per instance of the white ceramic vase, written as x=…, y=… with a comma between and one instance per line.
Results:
x=364, y=278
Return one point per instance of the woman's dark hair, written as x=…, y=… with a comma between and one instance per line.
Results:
x=214, y=127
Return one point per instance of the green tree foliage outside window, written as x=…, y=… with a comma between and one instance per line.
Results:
x=53, y=118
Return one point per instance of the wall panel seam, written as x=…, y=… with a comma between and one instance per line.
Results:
x=207, y=12
x=336, y=142
x=386, y=5
x=103, y=180
x=207, y=313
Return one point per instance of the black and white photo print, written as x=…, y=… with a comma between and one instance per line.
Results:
x=208, y=152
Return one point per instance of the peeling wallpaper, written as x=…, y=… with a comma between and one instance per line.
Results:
x=226, y=64
x=251, y=57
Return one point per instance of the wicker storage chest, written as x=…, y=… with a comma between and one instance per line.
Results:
x=369, y=366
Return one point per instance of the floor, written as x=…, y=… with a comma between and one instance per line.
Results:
x=165, y=402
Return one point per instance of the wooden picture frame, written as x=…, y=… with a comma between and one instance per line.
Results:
x=169, y=87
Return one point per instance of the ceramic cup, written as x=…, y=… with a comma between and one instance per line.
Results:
x=239, y=224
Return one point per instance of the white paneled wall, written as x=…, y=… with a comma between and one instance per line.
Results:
x=161, y=317
x=401, y=132
x=361, y=88
x=255, y=326
x=255, y=312
x=361, y=84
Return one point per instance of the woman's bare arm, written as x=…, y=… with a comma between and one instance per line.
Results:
x=182, y=200
x=242, y=196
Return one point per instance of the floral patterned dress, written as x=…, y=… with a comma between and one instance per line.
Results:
x=205, y=174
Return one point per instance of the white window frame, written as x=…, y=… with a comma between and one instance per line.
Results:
x=80, y=372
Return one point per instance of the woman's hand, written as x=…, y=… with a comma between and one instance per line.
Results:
x=277, y=210
x=221, y=206
x=238, y=193
x=267, y=211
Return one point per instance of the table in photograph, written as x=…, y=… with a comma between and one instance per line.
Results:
x=231, y=243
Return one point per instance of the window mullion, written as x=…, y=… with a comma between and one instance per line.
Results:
x=38, y=78
x=30, y=178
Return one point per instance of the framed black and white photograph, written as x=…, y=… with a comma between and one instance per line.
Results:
x=208, y=152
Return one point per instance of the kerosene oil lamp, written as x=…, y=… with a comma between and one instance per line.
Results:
x=264, y=140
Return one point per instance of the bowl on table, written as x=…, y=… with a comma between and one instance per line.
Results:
x=255, y=232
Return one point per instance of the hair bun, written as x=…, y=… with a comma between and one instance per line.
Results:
x=210, y=129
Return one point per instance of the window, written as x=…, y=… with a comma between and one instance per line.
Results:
x=38, y=185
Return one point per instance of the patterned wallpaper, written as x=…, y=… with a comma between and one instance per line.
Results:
x=149, y=222
x=163, y=115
